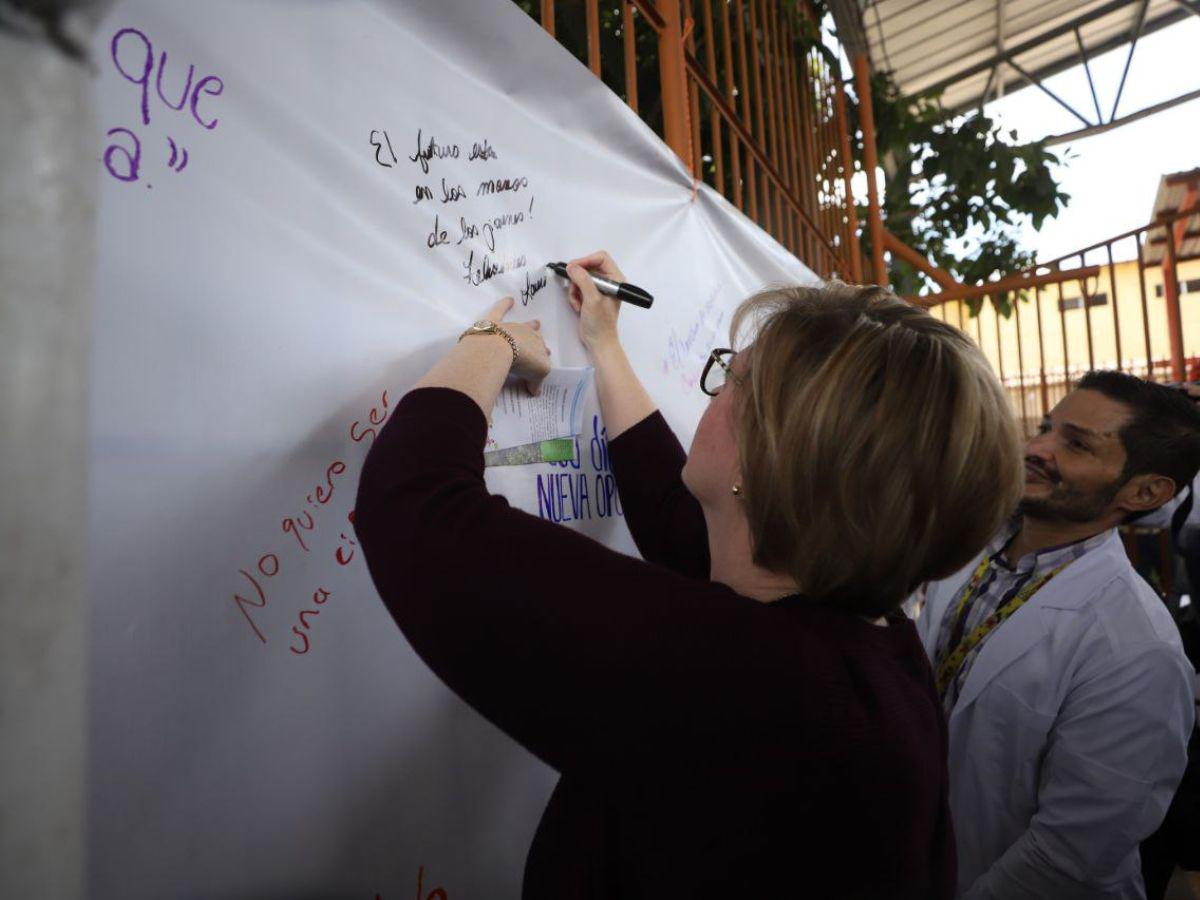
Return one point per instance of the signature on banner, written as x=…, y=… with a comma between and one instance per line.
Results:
x=687, y=349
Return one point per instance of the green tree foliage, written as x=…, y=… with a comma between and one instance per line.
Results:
x=570, y=30
x=957, y=191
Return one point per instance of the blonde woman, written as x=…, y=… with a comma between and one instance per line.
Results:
x=744, y=713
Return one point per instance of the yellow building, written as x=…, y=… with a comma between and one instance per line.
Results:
x=1115, y=318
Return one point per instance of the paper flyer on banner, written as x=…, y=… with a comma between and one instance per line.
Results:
x=556, y=412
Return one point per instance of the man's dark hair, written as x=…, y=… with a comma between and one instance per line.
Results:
x=1162, y=437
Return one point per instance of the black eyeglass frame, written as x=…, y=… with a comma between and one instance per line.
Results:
x=727, y=365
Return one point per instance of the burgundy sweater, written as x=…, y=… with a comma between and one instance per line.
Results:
x=710, y=745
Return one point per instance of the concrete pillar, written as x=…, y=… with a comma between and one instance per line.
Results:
x=48, y=181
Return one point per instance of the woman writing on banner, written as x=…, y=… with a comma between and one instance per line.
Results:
x=745, y=713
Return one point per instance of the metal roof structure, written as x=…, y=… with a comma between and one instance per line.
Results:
x=1177, y=192
x=973, y=51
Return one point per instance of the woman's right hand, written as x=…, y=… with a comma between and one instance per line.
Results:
x=597, y=312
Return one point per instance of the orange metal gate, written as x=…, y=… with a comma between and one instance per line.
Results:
x=750, y=103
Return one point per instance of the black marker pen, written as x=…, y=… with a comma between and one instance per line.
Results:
x=622, y=290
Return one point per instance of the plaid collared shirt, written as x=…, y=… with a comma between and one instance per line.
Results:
x=1000, y=583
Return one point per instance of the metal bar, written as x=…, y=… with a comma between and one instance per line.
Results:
x=693, y=96
x=1020, y=363
x=548, y=16
x=1174, y=323
x=746, y=124
x=1124, y=120
x=1189, y=233
x=1020, y=281
x=867, y=116
x=999, y=346
x=831, y=160
x=1137, y=32
x=792, y=131
x=987, y=88
x=1175, y=232
x=785, y=160
x=853, y=249
x=1059, y=100
x=917, y=261
x=778, y=152
x=593, y=36
x=714, y=121
x=1145, y=310
x=760, y=130
x=1087, y=70
x=823, y=167
x=804, y=84
x=1189, y=6
x=714, y=95
x=629, y=39
x=772, y=132
x=1112, y=285
x=807, y=105
x=999, y=46
x=789, y=51
x=648, y=9
x=1062, y=318
x=794, y=63
x=1161, y=222
x=735, y=156
x=795, y=135
x=1087, y=317
x=1045, y=393
x=673, y=78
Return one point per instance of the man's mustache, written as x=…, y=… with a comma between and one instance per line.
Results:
x=1036, y=464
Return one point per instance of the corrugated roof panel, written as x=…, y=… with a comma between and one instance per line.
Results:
x=946, y=26
x=986, y=40
x=928, y=42
x=917, y=23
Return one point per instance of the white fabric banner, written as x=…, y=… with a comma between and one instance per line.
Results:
x=302, y=205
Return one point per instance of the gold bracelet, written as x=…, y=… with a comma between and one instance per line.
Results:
x=485, y=327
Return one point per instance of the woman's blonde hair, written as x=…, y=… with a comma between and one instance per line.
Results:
x=878, y=449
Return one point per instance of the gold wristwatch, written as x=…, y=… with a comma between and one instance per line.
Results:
x=483, y=326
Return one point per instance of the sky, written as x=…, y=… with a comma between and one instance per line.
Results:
x=1112, y=177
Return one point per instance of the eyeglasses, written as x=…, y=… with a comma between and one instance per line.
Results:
x=718, y=370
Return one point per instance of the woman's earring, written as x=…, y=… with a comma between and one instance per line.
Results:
x=737, y=491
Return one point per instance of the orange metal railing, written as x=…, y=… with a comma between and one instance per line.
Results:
x=752, y=108
x=1116, y=304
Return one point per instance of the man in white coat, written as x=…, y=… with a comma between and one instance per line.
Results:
x=1068, y=695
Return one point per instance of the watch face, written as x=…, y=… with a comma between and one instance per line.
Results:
x=482, y=325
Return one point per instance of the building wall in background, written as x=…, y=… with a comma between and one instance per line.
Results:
x=1022, y=363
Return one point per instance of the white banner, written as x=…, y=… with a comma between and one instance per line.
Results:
x=302, y=205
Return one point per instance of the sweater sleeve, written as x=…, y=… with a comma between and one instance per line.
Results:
x=569, y=647
x=664, y=518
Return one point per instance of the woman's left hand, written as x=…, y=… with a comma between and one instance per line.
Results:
x=532, y=364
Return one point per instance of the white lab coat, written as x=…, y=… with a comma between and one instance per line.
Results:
x=1069, y=736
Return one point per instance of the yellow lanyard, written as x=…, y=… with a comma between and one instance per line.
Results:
x=954, y=659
